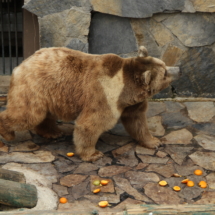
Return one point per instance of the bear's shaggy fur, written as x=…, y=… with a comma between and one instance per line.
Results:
x=94, y=90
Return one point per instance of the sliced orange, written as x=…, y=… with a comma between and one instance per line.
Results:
x=104, y=182
x=70, y=154
x=190, y=184
x=103, y=204
x=198, y=172
x=203, y=184
x=185, y=181
x=162, y=183
x=176, y=188
x=96, y=190
x=63, y=200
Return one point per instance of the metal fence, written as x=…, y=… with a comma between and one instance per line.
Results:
x=11, y=27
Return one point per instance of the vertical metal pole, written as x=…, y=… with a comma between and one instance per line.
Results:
x=16, y=29
x=9, y=34
x=2, y=37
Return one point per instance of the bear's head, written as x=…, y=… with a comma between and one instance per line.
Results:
x=150, y=75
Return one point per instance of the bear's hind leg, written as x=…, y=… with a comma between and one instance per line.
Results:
x=19, y=119
x=5, y=130
x=48, y=128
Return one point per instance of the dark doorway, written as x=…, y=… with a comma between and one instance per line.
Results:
x=11, y=27
x=19, y=34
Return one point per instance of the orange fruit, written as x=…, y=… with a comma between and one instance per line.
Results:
x=104, y=182
x=162, y=183
x=176, y=188
x=185, y=181
x=190, y=184
x=96, y=190
x=63, y=200
x=103, y=204
x=96, y=183
x=198, y=172
x=203, y=184
x=70, y=154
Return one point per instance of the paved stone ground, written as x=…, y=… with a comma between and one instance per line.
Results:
x=187, y=131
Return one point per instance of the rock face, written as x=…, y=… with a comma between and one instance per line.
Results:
x=161, y=195
x=72, y=34
x=72, y=180
x=199, y=111
x=196, y=36
x=206, y=141
x=204, y=6
x=173, y=51
x=115, y=36
x=137, y=8
x=42, y=8
x=155, y=126
x=176, y=120
x=211, y=180
x=150, y=159
x=208, y=197
x=208, y=128
x=204, y=159
x=164, y=170
x=155, y=108
x=77, y=44
x=197, y=66
x=143, y=37
x=108, y=171
x=178, y=154
x=182, y=136
x=141, y=178
x=124, y=184
x=36, y=157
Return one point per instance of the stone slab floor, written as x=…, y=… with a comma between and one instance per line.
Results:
x=187, y=130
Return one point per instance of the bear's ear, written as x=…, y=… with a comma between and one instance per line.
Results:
x=142, y=52
x=146, y=77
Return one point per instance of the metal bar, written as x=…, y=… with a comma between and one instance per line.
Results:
x=9, y=34
x=2, y=38
x=16, y=37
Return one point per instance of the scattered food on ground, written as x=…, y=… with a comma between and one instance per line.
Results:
x=63, y=200
x=96, y=183
x=203, y=184
x=176, y=188
x=185, y=181
x=190, y=184
x=198, y=172
x=96, y=190
x=104, y=182
x=162, y=183
x=103, y=204
x=70, y=154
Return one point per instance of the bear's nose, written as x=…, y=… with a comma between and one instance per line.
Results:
x=174, y=72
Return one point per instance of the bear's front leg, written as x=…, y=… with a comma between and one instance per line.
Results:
x=86, y=133
x=135, y=122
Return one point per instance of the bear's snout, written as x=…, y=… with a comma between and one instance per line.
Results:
x=174, y=72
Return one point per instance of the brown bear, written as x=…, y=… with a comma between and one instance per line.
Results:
x=94, y=90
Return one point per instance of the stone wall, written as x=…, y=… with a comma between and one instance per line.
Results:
x=182, y=33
